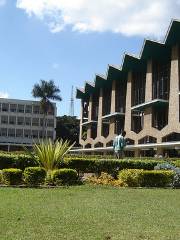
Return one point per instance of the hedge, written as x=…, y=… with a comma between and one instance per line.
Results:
x=1, y=178
x=65, y=176
x=12, y=176
x=20, y=161
x=34, y=176
x=144, y=178
x=109, y=166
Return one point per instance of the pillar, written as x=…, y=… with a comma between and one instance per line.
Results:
x=81, y=121
x=148, y=96
x=173, y=118
x=99, y=124
x=127, y=125
x=89, y=117
x=113, y=109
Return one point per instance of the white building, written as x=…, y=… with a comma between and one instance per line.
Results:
x=21, y=123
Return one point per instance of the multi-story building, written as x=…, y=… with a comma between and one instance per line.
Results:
x=141, y=97
x=21, y=123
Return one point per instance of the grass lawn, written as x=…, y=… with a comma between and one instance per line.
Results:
x=89, y=212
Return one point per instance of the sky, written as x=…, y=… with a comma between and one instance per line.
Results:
x=70, y=41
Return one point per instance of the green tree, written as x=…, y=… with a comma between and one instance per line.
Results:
x=67, y=128
x=46, y=91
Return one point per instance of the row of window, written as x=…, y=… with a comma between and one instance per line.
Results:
x=27, y=121
x=26, y=133
x=20, y=108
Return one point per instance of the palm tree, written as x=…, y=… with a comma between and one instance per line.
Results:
x=46, y=91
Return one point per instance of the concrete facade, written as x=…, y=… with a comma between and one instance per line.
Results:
x=152, y=99
x=22, y=123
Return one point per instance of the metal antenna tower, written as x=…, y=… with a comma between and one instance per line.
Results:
x=71, y=110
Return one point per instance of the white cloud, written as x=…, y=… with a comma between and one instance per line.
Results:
x=4, y=95
x=128, y=17
x=2, y=2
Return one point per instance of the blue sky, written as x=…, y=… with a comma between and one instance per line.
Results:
x=50, y=39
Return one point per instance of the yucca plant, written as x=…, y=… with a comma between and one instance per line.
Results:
x=49, y=154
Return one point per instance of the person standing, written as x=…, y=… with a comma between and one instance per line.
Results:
x=118, y=145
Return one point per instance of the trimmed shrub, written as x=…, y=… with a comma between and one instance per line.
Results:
x=168, y=166
x=65, y=176
x=144, y=178
x=23, y=161
x=20, y=161
x=12, y=176
x=1, y=177
x=104, y=179
x=108, y=166
x=157, y=178
x=34, y=176
x=131, y=177
x=7, y=161
x=177, y=163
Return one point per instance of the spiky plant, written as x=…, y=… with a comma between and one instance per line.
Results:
x=49, y=154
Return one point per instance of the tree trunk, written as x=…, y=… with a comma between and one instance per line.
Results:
x=44, y=127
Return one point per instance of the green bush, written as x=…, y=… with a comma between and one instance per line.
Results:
x=145, y=178
x=64, y=176
x=1, y=177
x=23, y=161
x=7, y=160
x=34, y=176
x=104, y=179
x=177, y=163
x=12, y=160
x=108, y=166
x=12, y=176
x=131, y=177
x=157, y=178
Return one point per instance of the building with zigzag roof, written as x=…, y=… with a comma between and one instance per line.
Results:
x=141, y=97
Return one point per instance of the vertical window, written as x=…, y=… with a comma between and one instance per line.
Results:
x=20, y=108
x=50, y=122
x=161, y=80
x=27, y=121
x=42, y=121
x=13, y=107
x=95, y=105
x=27, y=133
x=40, y=134
x=120, y=100
x=19, y=133
x=5, y=107
x=12, y=120
x=35, y=122
x=4, y=119
x=28, y=109
x=36, y=109
x=11, y=132
x=34, y=134
x=107, y=100
x=4, y=132
x=20, y=121
x=138, y=88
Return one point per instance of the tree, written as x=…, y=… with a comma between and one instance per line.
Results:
x=67, y=128
x=46, y=91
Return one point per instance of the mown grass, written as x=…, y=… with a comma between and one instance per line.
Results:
x=89, y=212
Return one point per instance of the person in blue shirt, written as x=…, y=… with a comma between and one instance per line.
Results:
x=118, y=145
